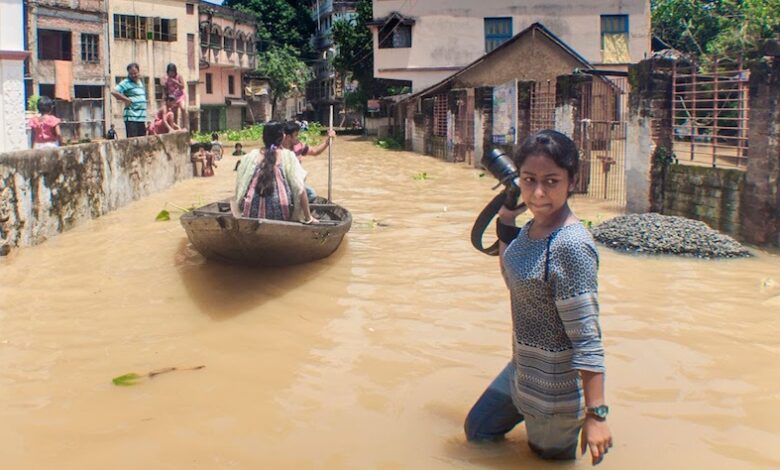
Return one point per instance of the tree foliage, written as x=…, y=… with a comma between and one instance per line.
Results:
x=355, y=44
x=726, y=28
x=279, y=22
x=285, y=71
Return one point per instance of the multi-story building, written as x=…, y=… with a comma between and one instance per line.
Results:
x=69, y=62
x=227, y=55
x=425, y=42
x=12, y=56
x=327, y=87
x=153, y=34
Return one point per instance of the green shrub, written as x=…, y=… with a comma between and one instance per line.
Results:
x=389, y=143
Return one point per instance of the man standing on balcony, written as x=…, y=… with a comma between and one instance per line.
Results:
x=132, y=93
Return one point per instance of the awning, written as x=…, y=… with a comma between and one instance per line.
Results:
x=235, y=102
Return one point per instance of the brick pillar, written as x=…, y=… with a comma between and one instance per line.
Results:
x=761, y=197
x=649, y=134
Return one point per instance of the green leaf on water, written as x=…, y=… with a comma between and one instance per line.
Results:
x=422, y=176
x=126, y=380
x=482, y=175
x=163, y=216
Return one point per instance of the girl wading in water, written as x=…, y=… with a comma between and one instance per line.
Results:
x=555, y=380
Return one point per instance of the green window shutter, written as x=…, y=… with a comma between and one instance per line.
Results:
x=222, y=118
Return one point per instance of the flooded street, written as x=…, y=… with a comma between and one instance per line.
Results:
x=368, y=359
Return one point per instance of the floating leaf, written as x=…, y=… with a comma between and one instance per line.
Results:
x=421, y=176
x=126, y=380
x=163, y=216
x=482, y=175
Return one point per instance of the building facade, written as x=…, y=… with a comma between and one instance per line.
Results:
x=12, y=55
x=227, y=55
x=327, y=87
x=69, y=62
x=425, y=42
x=153, y=34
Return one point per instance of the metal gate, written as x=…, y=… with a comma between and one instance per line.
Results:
x=542, y=106
x=602, y=139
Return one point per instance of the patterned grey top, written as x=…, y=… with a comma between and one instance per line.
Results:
x=553, y=284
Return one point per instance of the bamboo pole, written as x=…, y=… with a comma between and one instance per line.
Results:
x=330, y=156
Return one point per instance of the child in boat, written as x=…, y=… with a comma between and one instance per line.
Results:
x=291, y=141
x=269, y=184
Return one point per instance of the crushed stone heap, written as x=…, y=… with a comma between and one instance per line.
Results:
x=655, y=234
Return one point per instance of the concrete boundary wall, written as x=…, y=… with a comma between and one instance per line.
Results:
x=46, y=192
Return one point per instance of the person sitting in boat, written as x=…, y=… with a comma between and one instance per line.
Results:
x=270, y=184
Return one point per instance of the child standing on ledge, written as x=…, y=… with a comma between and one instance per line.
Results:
x=46, y=127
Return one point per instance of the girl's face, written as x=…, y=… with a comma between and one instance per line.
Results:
x=172, y=73
x=545, y=186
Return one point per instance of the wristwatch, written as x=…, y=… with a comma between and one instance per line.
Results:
x=599, y=412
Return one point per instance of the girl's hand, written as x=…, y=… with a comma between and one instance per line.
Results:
x=595, y=436
x=508, y=216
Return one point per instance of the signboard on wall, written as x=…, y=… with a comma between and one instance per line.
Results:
x=505, y=113
x=373, y=106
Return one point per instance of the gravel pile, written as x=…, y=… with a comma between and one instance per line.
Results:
x=655, y=234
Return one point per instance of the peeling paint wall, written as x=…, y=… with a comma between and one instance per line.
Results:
x=46, y=192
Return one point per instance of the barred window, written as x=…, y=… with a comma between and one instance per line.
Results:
x=89, y=48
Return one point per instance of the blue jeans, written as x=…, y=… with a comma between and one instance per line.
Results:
x=494, y=415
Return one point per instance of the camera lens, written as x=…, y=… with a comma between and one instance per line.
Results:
x=499, y=165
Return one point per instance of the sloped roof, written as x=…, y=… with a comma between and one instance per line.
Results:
x=534, y=27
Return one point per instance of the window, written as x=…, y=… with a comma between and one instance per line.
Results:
x=164, y=30
x=240, y=44
x=231, y=85
x=191, y=51
x=230, y=44
x=394, y=34
x=54, y=45
x=144, y=28
x=159, y=90
x=129, y=27
x=215, y=39
x=614, y=39
x=191, y=93
x=497, y=31
x=209, y=85
x=190, y=8
x=440, y=115
x=87, y=91
x=89, y=48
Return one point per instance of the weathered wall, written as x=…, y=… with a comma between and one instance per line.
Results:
x=46, y=192
x=711, y=195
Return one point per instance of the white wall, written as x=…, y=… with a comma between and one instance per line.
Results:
x=13, y=134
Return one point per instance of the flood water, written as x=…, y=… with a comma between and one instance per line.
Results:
x=368, y=359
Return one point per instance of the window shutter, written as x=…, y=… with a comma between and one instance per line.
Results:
x=172, y=30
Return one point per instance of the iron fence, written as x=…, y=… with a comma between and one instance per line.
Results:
x=710, y=114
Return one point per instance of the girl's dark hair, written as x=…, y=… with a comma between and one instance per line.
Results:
x=171, y=68
x=291, y=127
x=215, y=136
x=561, y=149
x=238, y=144
x=45, y=105
x=195, y=147
x=273, y=134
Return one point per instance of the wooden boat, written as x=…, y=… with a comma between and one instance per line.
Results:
x=217, y=235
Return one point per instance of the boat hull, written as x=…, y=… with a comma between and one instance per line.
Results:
x=217, y=235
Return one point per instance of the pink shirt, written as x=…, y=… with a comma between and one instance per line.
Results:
x=43, y=128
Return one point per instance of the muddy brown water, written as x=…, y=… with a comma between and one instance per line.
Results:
x=368, y=359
